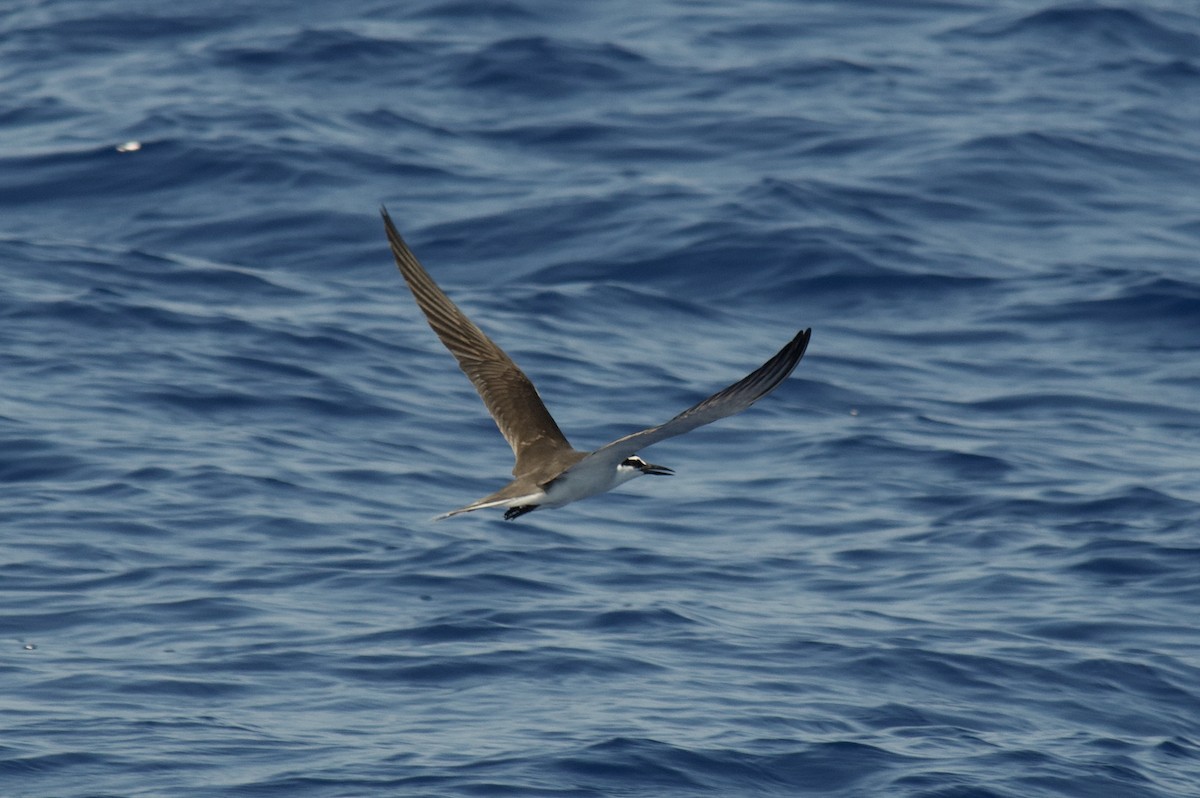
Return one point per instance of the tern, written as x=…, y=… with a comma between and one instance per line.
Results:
x=549, y=472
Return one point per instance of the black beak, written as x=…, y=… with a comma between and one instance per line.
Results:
x=650, y=468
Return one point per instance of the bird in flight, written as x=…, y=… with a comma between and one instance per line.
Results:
x=549, y=472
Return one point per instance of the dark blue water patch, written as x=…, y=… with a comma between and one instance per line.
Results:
x=723, y=263
x=907, y=717
x=628, y=761
x=894, y=292
x=1173, y=75
x=545, y=67
x=1060, y=160
x=37, y=111
x=654, y=765
x=639, y=620
x=160, y=166
x=459, y=11
x=447, y=632
x=770, y=134
x=32, y=766
x=248, y=366
x=653, y=140
x=1139, y=680
x=90, y=36
x=203, y=402
x=107, y=311
x=389, y=120
x=803, y=73
x=1106, y=634
x=100, y=175
x=208, y=689
x=643, y=569
x=926, y=785
x=1120, y=555
x=1150, y=304
x=881, y=208
x=1096, y=29
x=39, y=624
x=807, y=268
x=1125, y=510
x=1179, y=747
x=132, y=577
x=478, y=584
x=879, y=454
x=1045, y=405
x=1121, y=569
x=1032, y=200
x=552, y=664
x=37, y=460
x=324, y=54
x=1102, y=780
x=521, y=229
x=209, y=609
x=48, y=175
x=575, y=136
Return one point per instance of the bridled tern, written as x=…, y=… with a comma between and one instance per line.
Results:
x=549, y=472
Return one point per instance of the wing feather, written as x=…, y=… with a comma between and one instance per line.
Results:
x=507, y=393
x=723, y=403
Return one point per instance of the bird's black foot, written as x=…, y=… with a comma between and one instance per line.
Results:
x=514, y=512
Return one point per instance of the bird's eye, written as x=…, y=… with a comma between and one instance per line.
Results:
x=633, y=462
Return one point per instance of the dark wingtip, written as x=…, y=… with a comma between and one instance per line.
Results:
x=799, y=345
x=795, y=348
x=393, y=234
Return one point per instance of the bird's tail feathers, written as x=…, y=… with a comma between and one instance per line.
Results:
x=499, y=499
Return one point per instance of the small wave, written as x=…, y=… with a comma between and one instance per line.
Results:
x=542, y=66
x=1111, y=28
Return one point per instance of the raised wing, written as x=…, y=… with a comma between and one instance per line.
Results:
x=507, y=393
x=732, y=400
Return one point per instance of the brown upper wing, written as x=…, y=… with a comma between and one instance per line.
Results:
x=510, y=397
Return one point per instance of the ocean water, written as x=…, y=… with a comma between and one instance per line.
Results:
x=956, y=555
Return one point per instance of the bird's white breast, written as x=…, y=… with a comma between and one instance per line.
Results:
x=587, y=478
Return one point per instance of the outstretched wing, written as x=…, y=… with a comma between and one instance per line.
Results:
x=732, y=400
x=507, y=393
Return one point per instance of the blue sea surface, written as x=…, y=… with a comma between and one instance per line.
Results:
x=955, y=555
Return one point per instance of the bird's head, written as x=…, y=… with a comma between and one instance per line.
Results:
x=635, y=466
